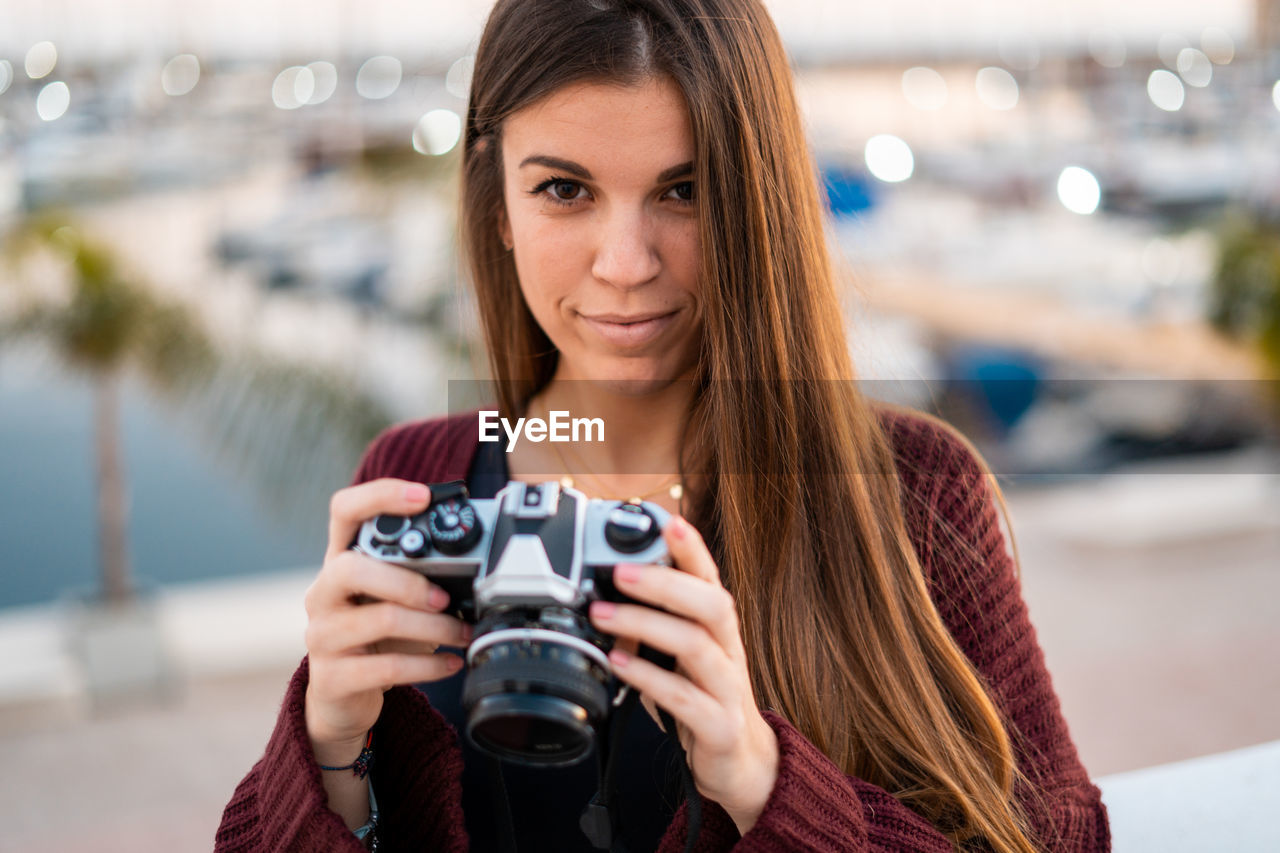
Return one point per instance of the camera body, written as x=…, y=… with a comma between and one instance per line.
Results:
x=524, y=567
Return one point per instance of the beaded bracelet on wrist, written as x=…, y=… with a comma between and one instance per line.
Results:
x=360, y=767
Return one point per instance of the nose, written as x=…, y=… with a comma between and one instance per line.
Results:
x=627, y=252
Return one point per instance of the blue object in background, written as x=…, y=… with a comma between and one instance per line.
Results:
x=1005, y=382
x=848, y=192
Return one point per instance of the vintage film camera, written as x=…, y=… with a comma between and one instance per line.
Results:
x=523, y=568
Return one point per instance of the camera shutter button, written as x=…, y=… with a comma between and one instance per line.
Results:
x=630, y=529
x=414, y=543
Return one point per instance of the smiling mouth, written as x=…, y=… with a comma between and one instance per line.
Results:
x=624, y=320
x=632, y=331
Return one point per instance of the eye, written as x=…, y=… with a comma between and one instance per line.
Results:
x=560, y=191
x=566, y=190
x=683, y=192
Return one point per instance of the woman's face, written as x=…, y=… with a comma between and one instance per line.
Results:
x=600, y=214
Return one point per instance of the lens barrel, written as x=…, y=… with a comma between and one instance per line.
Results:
x=535, y=701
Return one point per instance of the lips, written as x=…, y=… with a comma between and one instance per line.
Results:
x=630, y=330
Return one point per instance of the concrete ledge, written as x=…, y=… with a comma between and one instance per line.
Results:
x=217, y=627
x=1226, y=801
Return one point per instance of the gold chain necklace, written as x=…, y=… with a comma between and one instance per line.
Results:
x=672, y=485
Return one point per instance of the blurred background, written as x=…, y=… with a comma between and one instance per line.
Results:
x=227, y=259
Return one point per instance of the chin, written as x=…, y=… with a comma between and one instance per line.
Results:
x=636, y=380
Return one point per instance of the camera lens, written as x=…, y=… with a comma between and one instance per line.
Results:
x=531, y=729
x=535, y=694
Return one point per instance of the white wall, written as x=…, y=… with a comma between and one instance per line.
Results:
x=91, y=28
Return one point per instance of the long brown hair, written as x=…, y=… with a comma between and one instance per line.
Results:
x=841, y=634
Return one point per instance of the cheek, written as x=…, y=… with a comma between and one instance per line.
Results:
x=545, y=267
x=686, y=257
x=553, y=258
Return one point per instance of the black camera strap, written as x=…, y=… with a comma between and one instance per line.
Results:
x=691, y=796
x=599, y=820
x=502, y=805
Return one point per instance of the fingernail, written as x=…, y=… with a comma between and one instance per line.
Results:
x=416, y=493
x=628, y=572
x=679, y=527
x=455, y=664
x=603, y=610
x=619, y=658
x=438, y=597
x=468, y=632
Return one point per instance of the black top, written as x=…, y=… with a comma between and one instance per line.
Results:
x=546, y=802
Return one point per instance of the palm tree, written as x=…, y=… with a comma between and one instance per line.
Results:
x=1245, y=299
x=105, y=326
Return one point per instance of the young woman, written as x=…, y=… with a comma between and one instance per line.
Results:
x=854, y=665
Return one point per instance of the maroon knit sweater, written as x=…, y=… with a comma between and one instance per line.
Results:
x=952, y=521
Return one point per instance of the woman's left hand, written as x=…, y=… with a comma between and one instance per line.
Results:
x=732, y=751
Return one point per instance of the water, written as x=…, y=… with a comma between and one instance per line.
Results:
x=190, y=518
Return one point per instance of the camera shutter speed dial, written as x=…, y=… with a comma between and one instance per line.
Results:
x=630, y=529
x=454, y=526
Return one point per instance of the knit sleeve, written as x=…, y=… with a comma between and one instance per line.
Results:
x=815, y=807
x=282, y=805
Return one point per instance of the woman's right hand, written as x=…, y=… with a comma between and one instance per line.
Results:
x=370, y=625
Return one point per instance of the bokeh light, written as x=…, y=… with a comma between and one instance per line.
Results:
x=1078, y=190
x=180, y=74
x=293, y=87
x=41, y=59
x=1275, y=94
x=1218, y=45
x=1107, y=48
x=53, y=101
x=1195, y=67
x=924, y=88
x=1165, y=90
x=6, y=75
x=378, y=78
x=889, y=158
x=325, y=78
x=458, y=80
x=997, y=88
x=437, y=132
x=1169, y=46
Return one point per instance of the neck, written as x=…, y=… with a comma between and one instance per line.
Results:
x=642, y=432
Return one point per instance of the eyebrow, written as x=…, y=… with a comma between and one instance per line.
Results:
x=580, y=171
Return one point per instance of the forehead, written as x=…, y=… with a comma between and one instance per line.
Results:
x=604, y=125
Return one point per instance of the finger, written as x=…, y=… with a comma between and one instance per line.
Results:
x=351, y=574
x=357, y=673
x=407, y=647
x=695, y=651
x=692, y=708
x=351, y=507
x=708, y=604
x=357, y=627
x=688, y=551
